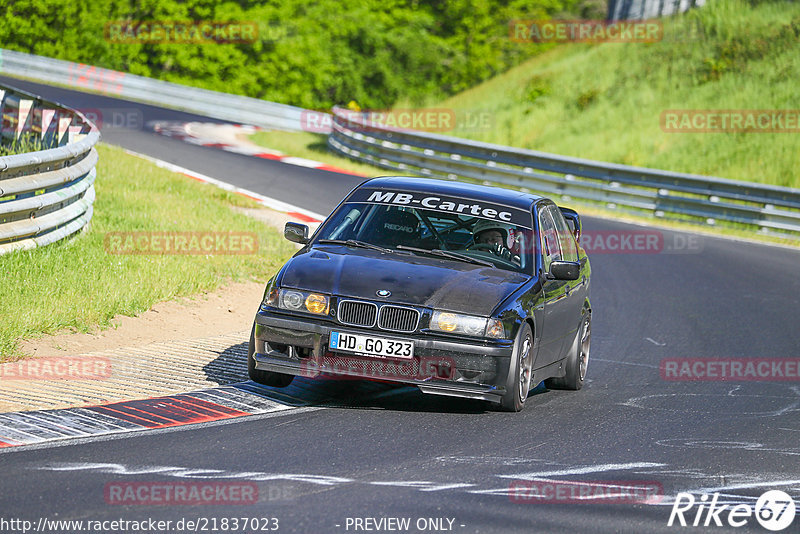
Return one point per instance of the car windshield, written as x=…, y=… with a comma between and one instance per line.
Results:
x=462, y=237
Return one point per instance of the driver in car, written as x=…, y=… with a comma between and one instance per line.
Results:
x=493, y=236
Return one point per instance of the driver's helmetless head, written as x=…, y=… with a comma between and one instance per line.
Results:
x=490, y=237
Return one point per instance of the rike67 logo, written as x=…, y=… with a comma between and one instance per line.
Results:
x=774, y=510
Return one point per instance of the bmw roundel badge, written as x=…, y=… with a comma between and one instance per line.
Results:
x=383, y=293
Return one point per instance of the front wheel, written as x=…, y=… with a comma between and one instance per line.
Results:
x=267, y=378
x=520, y=372
x=577, y=361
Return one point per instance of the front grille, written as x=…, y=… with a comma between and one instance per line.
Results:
x=357, y=313
x=398, y=318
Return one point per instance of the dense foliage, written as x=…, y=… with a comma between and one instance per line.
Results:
x=311, y=54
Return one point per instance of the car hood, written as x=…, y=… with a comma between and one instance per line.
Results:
x=415, y=280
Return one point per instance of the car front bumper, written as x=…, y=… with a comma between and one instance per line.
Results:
x=299, y=346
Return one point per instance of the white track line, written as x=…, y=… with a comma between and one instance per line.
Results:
x=269, y=202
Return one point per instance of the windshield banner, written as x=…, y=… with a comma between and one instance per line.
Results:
x=446, y=204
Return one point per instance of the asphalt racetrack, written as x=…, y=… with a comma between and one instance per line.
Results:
x=374, y=457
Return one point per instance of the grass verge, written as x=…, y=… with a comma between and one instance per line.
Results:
x=76, y=284
x=605, y=101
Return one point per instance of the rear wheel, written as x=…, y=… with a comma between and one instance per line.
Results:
x=577, y=361
x=267, y=378
x=520, y=372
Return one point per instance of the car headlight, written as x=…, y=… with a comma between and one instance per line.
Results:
x=470, y=325
x=294, y=300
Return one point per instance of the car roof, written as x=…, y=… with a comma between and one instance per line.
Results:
x=498, y=195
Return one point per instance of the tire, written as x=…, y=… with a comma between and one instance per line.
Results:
x=267, y=378
x=577, y=361
x=518, y=383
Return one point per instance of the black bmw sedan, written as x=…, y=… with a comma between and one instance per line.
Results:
x=459, y=289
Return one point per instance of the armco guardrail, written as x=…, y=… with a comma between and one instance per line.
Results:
x=224, y=106
x=772, y=209
x=44, y=195
x=648, y=9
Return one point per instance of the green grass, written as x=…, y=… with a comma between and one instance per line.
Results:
x=310, y=146
x=22, y=145
x=75, y=284
x=604, y=102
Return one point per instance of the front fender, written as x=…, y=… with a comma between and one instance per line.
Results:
x=525, y=305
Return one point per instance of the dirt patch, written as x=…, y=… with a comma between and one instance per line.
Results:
x=230, y=308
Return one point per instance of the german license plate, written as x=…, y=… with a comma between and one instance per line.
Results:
x=376, y=346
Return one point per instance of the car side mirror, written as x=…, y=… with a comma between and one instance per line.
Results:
x=296, y=232
x=565, y=270
x=574, y=222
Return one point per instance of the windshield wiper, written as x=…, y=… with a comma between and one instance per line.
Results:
x=448, y=254
x=354, y=243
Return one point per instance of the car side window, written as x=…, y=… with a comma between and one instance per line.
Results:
x=551, y=248
x=569, y=249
